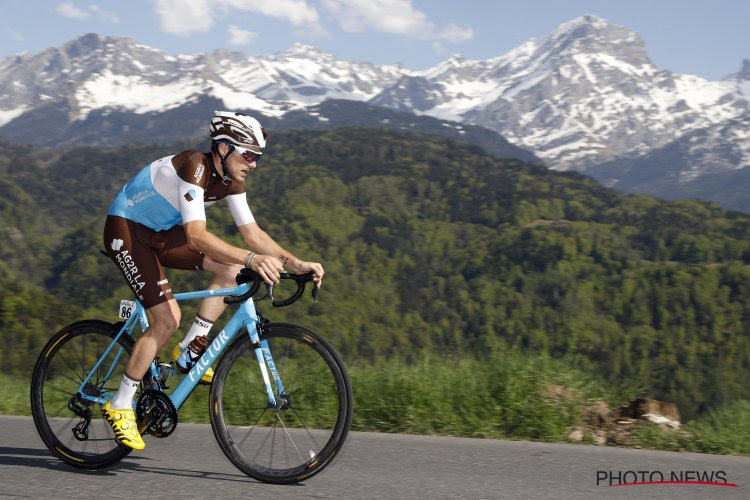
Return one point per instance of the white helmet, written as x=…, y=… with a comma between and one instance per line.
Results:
x=238, y=129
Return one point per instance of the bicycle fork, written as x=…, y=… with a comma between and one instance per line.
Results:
x=265, y=362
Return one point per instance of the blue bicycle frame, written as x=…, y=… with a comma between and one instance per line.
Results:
x=245, y=315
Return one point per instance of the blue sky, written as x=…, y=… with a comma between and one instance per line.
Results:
x=708, y=39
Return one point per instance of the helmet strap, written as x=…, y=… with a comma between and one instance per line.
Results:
x=223, y=159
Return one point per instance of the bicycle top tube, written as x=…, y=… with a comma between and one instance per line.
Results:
x=218, y=292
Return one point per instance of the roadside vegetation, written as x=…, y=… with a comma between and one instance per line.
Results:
x=445, y=268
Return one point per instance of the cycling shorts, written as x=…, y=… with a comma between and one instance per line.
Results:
x=142, y=253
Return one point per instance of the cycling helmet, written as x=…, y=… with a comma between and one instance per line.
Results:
x=235, y=129
x=238, y=129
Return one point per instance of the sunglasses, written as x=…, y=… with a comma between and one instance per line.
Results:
x=248, y=155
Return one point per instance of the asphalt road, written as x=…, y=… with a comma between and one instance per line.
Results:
x=189, y=464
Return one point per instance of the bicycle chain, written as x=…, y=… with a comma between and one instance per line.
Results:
x=157, y=413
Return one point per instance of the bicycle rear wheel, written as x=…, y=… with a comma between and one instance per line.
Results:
x=301, y=435
x=71, y=427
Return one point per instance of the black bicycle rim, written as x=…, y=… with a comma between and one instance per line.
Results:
x=307, y=435
x=60, y=369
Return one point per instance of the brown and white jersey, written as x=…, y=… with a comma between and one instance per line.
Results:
x=176, y=189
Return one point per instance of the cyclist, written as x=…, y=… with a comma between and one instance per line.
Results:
x=142, y=234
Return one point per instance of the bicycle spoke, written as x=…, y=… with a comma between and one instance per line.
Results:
x=289, y=436
x=307, y=430
x=67, y=360
x=260, y=446
x=72, y=369
x=60, y=389
x=252, y=428
x=83, y=358
x=279, y=448
x=66, y=423
x=273, y=443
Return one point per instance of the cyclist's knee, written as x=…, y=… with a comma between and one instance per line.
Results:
x=227, y=274
x=165, y=319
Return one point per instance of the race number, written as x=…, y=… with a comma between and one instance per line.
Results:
x=126, y=308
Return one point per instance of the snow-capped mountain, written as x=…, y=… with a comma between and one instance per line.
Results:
x=94, y=72
x=586, y=94
x=582, y=95
x=704, y=163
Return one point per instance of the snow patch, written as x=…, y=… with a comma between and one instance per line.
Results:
x=8, y=115
x=132, y=93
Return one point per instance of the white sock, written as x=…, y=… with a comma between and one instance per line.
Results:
x=199, y=327
x=123, y=400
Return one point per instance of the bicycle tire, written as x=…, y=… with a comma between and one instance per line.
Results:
x=61, y=367
x=316, y=421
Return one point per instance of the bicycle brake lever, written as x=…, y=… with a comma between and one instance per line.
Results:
x=270, y=292
x=315, y=293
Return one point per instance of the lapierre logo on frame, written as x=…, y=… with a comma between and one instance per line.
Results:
x=657, y=477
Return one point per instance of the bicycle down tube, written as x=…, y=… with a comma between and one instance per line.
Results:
x=244, y=316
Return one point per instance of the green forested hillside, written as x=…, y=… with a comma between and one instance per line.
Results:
x=430, y=246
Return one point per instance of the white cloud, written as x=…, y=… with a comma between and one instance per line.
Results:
x=456, y=34
x=389, y=16
x=296, y=12
x=15, y=35
x=398, y=17
x=183, y=17
x=238, y=36
x=104, y=15
x=67, y=9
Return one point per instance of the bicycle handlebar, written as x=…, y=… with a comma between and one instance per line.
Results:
x=247, y=275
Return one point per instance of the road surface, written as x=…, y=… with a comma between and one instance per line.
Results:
x=189, y=464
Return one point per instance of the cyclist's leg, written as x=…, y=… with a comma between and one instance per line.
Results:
x=173, y=252
x=210, y=308
x=129, y=245
x=139, y=252
x=119, y=412
x=165, y=318
x=224, y=276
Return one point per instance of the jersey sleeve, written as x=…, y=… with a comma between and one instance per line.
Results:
x=240, y=209
x=190, y=197
x=192, y=177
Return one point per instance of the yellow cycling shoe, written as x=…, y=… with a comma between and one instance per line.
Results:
x=124, y=425
x=207, y=377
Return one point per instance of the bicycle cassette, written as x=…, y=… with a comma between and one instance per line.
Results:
x=156, y=414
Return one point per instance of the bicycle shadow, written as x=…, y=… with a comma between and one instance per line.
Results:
x=42, y=459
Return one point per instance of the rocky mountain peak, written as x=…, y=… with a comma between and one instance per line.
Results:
x=92, y=42
x=83, y=44
x=585, y=93
x=744, y=73
x=592, y=34
x=302, y=51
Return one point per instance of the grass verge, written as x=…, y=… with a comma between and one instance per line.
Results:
x=508, y=394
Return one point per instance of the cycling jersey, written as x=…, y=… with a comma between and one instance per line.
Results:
x=176, y=189
x=141, y=233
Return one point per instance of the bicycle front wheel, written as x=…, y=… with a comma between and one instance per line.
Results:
x=301, y=434
x=72, y=427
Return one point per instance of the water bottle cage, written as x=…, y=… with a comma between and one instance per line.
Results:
x=192, y=353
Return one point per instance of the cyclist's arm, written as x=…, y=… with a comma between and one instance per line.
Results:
x=191, y=203
x=262, y=243
x=202, y=240
x=259, y=241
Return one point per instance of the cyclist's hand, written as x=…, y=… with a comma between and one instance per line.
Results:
x=315, y=267
x=268, y=267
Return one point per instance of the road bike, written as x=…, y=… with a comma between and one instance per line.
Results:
x=280, y=403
